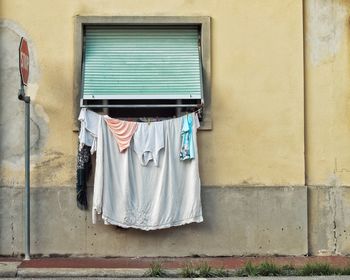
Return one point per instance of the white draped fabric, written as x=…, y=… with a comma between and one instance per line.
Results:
x=131, y=195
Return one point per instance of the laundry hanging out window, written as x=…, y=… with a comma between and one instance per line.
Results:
x=141, y=62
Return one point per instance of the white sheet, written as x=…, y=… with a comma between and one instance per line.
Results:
x=128, y=194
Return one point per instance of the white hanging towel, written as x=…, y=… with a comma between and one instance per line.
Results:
x=88, y=128
x=148, y=197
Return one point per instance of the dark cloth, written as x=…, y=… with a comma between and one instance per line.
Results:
x=83, y=173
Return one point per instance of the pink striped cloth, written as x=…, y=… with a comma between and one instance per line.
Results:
x=122, y=131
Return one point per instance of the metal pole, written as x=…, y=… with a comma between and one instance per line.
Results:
x=24, y=73
x=27, y=178
x=26, y=99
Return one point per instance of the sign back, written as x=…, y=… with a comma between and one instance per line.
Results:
x=24, y=61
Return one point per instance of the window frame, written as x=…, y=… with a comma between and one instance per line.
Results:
x=203, y=22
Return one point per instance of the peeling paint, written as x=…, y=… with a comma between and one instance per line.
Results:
x=12, y=110
x=325, y=29
x=47, y=170
x=6, y=24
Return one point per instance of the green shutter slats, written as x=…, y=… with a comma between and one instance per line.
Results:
x=130, y=62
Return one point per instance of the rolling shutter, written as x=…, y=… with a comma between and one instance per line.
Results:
x=132, y=62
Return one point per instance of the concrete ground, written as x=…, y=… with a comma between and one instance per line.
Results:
x=228, y=278
x=68, y=267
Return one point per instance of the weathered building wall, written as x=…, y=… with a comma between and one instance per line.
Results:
x=327, y=100
x=257, y=64
x=254, y=162
x=238, y=221
x=327, y=92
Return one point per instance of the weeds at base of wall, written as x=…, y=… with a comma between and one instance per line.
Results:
x=322, y=269
x=309, y=269
x=203, y=270
x=155, y=270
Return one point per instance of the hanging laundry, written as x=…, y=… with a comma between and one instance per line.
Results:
x=148, y=141
x=87, y=145
x=122, y=131
x=88, y=128
x=187, y=150
x=83, y=172
x=129, y=194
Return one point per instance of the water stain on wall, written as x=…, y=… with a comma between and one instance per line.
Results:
x=326, y=21
x=11, y=109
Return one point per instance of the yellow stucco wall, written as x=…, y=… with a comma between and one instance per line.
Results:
x=257, y=88
x=327, y=92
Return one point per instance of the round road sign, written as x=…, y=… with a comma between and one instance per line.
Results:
x=24, y=61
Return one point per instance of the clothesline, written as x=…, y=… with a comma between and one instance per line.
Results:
x=198, y=112
x=155, y=119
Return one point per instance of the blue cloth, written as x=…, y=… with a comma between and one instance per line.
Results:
x=187, y=149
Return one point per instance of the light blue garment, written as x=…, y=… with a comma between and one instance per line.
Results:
x=187, y=149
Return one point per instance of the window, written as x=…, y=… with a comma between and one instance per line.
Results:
x=148, y=66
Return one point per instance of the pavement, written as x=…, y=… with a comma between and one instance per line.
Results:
x=135, y=268
x=228, y=278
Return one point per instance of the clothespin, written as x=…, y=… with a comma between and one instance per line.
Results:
x=200, y=110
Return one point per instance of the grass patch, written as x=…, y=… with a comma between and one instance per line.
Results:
x=312, y=269
x=266, y=269
x=263, y=269
x=155, y=270
x=202, y=270
x=188, y=271
x=270, y=269
x=221, y=272
x=345, y=271
x=289, y=270
x=248, y=270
